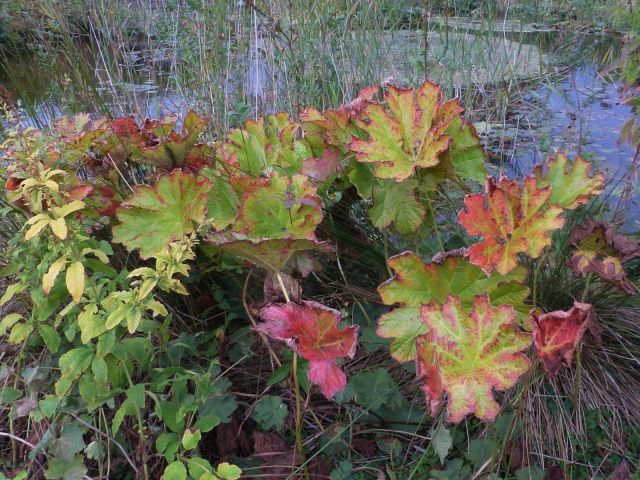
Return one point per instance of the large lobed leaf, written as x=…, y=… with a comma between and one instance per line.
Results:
x=279, y=206
x=468, y=353
x=311, y=329
x=403, y=136
x=273, y=254
x=157, y=143
x=512, y=219
x=153, y=217
x=557, y=334
x=600, y=250
x=571, y=183
x=418, y=283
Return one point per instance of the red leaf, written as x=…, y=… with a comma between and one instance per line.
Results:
x=79, y=192
x=557, y=334
x=311, y=329
x=512, y=219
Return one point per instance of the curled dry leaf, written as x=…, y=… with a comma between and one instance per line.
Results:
x=512, y=219
x=311, y=329
x=467, y=354
x=157, y=143
x=557, y=334
x=600, y=250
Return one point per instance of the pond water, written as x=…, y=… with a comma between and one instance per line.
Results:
x=541, y=91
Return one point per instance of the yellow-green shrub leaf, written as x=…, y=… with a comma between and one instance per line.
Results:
x=36, y=228
x=75, y=280
x=8, y=322
x=59, y=228
x=49, y=278
x=20, y=332
x=90, y=323
x=50, y=336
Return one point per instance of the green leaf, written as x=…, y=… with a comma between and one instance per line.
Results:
x=465, y=156
x=404, y=325
x=190, y=439
x=375, y=388
x=222, y=205
x=481, y=450
x=199, y=468
x=153, y=217
x=20, y=332
x=344, y=471
x=8, y=395
x=530, y=473
x=395, y=203
x=50, y=336
x=11, y=291
x=441, y=441
x=8, y=322
x=168, y=444
x=404, y=136
x=228, y=472
x=64, y=469
x=467, y=354
x=48, y=405
x=70, y=441
x=99, y=369
x=418, y=283
x=455, y=469
x=175, y=471
x=279, y=207
x=207, y=423
x=90, y=323
x=571, y=183
x=270, y=413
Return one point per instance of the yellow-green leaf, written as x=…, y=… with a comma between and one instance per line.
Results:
x=36, y=228
x=65, y=210
x=8, y=322
x=75, y=280
x=49, y=278
x=20, y=332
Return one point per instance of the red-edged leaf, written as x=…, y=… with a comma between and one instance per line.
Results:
x=157, y=143
x=600, y=250
x=272, y=254
x=311, y=329
x=417, y=283
x=512, y=219
x=473, y=352
x=405, y=135
x=571, y=183
x=153, y=217
x=557, y=334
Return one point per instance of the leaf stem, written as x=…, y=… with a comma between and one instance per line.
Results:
x=296, y=387
x=576, y=389
x=282, y=287
x=435, y=223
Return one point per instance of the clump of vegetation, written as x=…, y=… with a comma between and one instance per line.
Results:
x=185, y=309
